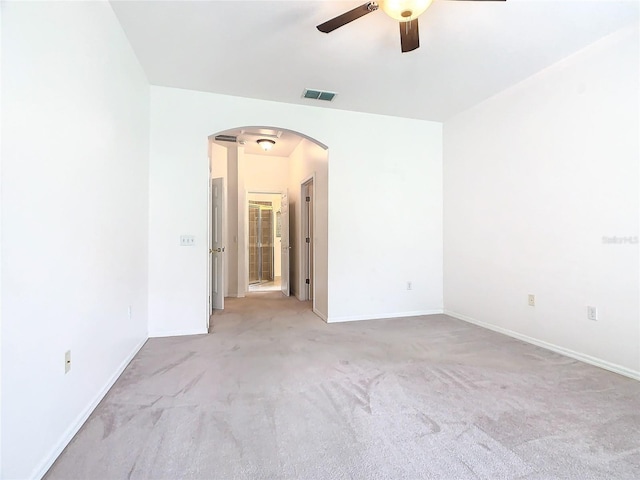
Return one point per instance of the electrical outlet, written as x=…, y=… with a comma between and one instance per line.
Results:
x=129, y=312
x=592, y=313
x=409, y=286
x=67, y=361
x=532, y=300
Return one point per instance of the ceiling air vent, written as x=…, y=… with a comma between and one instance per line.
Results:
x=318, y=94
x=226, y=138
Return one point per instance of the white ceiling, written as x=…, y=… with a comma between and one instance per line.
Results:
x=285, y=140
x=271, y=49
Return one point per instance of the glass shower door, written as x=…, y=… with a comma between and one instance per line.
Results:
x=254, y=217
x=266, y=244
x=261, y=229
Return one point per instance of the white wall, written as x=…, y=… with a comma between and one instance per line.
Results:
x=74, y=220
x=534, y=178
x=218, y=155
x=310, y=160
x=235, y=218
x=266, y=173
x=385, y=219
x=392, y=163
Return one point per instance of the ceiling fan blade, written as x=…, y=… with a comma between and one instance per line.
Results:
x=409, y=36
x=348, y=17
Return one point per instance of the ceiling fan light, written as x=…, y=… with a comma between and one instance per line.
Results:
x=404, y=10
x=266, y=144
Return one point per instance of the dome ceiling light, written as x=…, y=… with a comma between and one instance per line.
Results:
x=266, y=144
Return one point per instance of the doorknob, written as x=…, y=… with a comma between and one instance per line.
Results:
x=213, y=250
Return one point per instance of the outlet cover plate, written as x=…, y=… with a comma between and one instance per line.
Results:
x=67, y=361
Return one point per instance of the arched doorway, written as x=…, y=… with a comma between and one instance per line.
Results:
x=294, y=167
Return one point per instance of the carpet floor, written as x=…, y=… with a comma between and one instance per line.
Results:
x=275, y=393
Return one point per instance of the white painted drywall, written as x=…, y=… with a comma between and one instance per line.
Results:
x=534, y=178
x=75, y=154
x=385, y=219
x=382, y=171
x=218, y=155
x=265, y=173
x=309, y=160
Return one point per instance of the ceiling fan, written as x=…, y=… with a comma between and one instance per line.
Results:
x=405, y=11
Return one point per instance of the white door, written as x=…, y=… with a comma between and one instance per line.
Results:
x=284, y=237
x=217, y=247
x=307, y=233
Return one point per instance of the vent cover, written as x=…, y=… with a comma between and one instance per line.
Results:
x=263, y=132
x=318, y=94
x=226, y=138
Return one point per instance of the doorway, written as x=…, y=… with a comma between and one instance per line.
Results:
x=293, y=160
x=264, y=242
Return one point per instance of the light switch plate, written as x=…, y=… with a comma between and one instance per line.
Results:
x=187, y=240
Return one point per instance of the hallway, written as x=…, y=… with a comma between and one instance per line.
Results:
x=267, y=286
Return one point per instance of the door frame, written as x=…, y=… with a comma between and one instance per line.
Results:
x=245, y=235
x=311, y=179
x=222, y=235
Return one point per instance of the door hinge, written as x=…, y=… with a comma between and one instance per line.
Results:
x=308, y=240
x=308, y=199
x=307, y=281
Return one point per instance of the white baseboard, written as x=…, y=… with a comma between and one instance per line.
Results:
x=612, y=367
x=178, y=333
x=75, y=426
x=358, y=318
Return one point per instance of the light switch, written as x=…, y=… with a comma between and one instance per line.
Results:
x=187, y=240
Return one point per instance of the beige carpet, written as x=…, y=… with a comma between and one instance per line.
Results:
x=275, y=393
